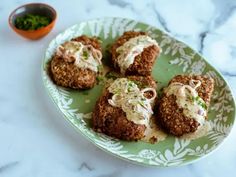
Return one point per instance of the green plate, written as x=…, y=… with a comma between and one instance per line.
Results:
x=176, y=58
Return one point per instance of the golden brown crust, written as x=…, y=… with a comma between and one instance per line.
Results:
x=143, y=63
x=171, y=116
x=65, y=73
x=89, y=41
x=112, y=120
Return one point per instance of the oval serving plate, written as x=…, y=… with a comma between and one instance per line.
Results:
x=176, y=58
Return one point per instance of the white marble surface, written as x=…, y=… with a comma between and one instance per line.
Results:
x=36, y=141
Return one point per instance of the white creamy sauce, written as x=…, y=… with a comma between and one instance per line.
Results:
x=128, y=97
x=86, y=56
x=153, y=133
x=188, y=99
x=132, y=48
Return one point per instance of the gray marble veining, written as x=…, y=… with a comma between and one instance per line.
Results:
x=119, y=3
x=8, y=166
x=160, y=19
x=84, y=165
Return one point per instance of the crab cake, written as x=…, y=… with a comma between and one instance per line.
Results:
x=134, y=53
x=184, y=105
x=125, y=107
x=75, y=63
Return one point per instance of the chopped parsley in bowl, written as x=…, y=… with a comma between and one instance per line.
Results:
x=32, y=22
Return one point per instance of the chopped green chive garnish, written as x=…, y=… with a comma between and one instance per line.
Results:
x=130, y=85
x=31, y=22
x=85, y=55
x=141, y=103
x=199, y=101
x=111, y=75
x=100, y=78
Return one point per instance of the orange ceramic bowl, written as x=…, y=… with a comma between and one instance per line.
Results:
x=37, y=9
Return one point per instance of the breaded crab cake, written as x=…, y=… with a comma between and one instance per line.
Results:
x=184, y=105
x=125, y=107
x=134, y=53
x=75, y=63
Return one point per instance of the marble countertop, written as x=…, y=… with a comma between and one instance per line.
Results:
x=36, y=141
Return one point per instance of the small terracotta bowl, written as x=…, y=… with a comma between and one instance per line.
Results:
x=37, y=9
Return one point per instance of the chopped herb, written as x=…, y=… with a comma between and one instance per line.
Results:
x=141, y=103
x=117, y=91
x=100, y=78
x=143, y=99
x=31, y=22
x=85, y=55
x=130, y=85
x=200, y=102
x=111, y=75
x=139, y=84
x=191, y=98
x=203, y=105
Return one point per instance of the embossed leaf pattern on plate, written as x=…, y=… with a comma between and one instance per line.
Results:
x=176, y=58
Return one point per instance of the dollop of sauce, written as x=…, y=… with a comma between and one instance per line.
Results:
x=132, y=48
x=153, y=132
x=84, y=56
x=187, y=98
x=128, y=97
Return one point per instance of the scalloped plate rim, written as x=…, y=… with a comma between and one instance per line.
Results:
x=116, y=155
